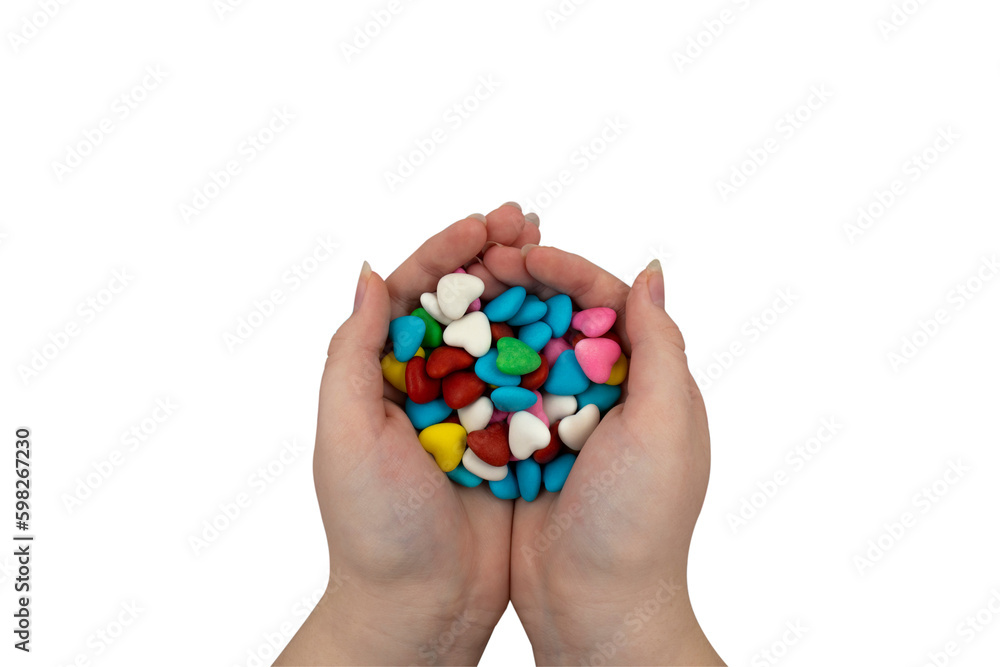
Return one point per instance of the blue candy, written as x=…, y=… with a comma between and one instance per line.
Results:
x=531, y=310
x=535, y=335
x=559, y=315
x=462, y=476
x=506, y=489
x=566, y=378
x=603, y=396
x=487, y=371
x=427, y=414
x=557, y=471
x=529, y=479
x=513, y=399
x=406, y=333
x=506, y=305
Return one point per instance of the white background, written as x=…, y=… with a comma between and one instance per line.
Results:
x=653, y=192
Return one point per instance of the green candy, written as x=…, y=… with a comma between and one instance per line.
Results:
x=515, y=357
x=432, y=335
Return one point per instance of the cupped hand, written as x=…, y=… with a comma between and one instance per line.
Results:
x=419, y=565
x=599, y=570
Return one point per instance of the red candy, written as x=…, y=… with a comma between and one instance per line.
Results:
x=611, y=335
x=551, y=450
x=500, y=330
x=537, y=377
x=420, y=387
x=445, y=360
x=490, y=444
x=462, y=388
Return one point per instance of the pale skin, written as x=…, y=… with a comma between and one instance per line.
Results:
x=422, y=574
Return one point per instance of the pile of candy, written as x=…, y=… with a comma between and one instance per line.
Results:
x=506, y=391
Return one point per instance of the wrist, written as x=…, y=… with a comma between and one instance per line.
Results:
x=395, y=624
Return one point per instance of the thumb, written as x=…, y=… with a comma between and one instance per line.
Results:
x=658, y=366
x=352, y=381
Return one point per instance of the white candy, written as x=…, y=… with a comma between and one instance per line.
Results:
x=527, y=434
x=476, y=415
x=481, y=469
x=456, y=292
x=557, y=407
x=429, y=302
x=471, y=331
x=575, y=430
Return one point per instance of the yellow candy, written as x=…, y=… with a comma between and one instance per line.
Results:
x=618, y=371
x=395, y=371
x=446, y=442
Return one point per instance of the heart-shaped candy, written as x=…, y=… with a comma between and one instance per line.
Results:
x=481, y=469
x=575, y=429
x=456, y=292
x=406, y=333
x=445, y=360
x=470, y=331
x=527, y=434
x=514, y=357
x=446, y=442
x=490, y=444
x=594, y=322
x=429, y=302
x=476, y=415
x=597, y=356
x=461, y=388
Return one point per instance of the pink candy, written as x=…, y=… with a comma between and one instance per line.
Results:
x=594, y=322
x=596, y=357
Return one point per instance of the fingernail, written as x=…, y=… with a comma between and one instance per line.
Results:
x=654, y=280
x=359, y=294
x=525, y=249
x=532, y=218
x=479, y=216
x=490, y=244
x=514, y=204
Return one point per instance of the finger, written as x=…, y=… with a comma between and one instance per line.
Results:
x=439, y=255
x=587, y=284
x=505, y=224
x=658, y=370
x=531, y=235
x=352, y=384
x=494, y=287
x=507, y=265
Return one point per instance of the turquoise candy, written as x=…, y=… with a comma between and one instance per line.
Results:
x=506, y=305
x=557, y=471
x=535, y=335
x=566, y=378
x=487, y=371
x=559, y=315
x=506, y=489
x=604, y=396
x=529, y=478
x=427, y=414
x=462, y=476
x=512, y=399
x=531, y=310
x=406, y=334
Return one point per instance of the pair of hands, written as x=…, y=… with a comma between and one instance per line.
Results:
x=422, y=569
